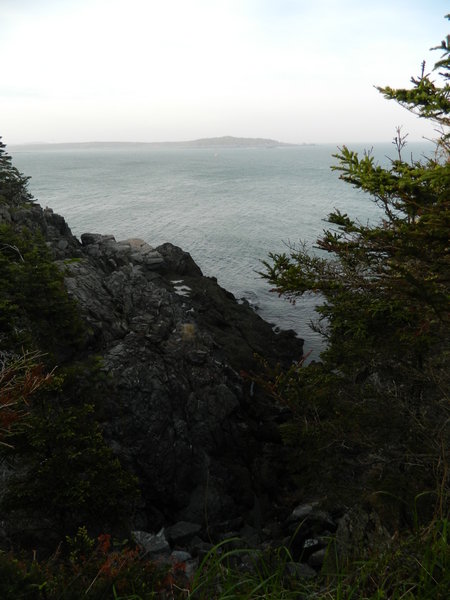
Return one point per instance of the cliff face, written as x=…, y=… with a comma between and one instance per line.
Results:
x=201, y=438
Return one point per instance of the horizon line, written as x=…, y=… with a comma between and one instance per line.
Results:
x=205, y=139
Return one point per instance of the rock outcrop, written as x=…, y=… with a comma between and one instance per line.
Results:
x=202, y=439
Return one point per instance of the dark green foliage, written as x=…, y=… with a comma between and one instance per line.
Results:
x=385, y=285
x=414, y=567
x=374, y=415
x=13, y=185
x=71, y=475
x=66, y=475
x=350, y=441
x=35, y=310
x=20, y=378
x=85, y=567
x=19, y=579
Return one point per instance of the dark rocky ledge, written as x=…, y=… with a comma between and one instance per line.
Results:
x=203, y=442
x=202, y=439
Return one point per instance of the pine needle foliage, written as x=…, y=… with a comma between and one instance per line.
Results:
x=374, y=414
x=385, y=285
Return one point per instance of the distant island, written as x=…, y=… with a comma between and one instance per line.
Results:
x=214, y=142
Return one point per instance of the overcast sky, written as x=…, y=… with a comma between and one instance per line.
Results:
x=160, y=70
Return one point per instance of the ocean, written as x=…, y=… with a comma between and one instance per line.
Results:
x=227, y=207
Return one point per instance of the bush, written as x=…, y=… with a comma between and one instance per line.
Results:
x=68, y=475
x=35, y=309
x=374, y=415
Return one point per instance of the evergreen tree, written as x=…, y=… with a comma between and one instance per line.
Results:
x=374, y=414
x=13, y=185
x=385, y=286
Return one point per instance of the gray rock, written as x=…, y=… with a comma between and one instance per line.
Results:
x=153, y=544
x=179, y=262
x=62, y=244
x=250, y=535
x=184, y=563
x=311, y=543
x=199, y=548
x=180, y=556
x=301, y=511
x=313, y=523
x=297, y=570
x=182, y=532
x=360, y=532
x=91, y=238
x=317, y=559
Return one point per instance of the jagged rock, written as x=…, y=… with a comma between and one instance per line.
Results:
x=317, y=558
x=180, y=408
x=180, y=556
x=200, y=437
x=199, y=548
x=153, y=544
x=314, y=522
x=182, y=532
x=179, y=262
x=87, y=239
x=296, y=570
x=300, y=512
x=184, y=566
x=310, y=547
x=133, y=251
x=309, y=530
x=359, y=533
x=252, y=537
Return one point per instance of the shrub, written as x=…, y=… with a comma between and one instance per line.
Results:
x=374, y=415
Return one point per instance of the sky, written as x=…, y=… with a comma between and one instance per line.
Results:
x=165, y=70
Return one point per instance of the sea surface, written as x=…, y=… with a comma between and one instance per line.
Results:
x=228, y=207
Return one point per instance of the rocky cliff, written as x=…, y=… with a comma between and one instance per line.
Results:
x=201, y=438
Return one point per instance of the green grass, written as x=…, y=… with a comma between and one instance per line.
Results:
x=416, y=566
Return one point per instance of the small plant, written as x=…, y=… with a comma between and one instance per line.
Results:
x=20, y=378
x=80, y=546
x=71, y=476
x=35, y=309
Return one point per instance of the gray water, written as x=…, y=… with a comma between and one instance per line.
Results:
x=228, y=207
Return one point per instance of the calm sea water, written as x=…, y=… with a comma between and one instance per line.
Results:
x=228, y=207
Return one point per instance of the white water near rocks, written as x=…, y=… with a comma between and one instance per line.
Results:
x=228, y=207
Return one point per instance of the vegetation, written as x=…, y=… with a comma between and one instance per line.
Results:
x=62, y=474
x=416, y=566
x=71, y=475
x=376, y=409
x=369, y=423
x=83, y=567
x=35, y=310
x=371, y=420
x=13, y=185
x=19, y=380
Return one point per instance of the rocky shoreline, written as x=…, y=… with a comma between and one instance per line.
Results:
x=179, y=410
x=201, y=438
